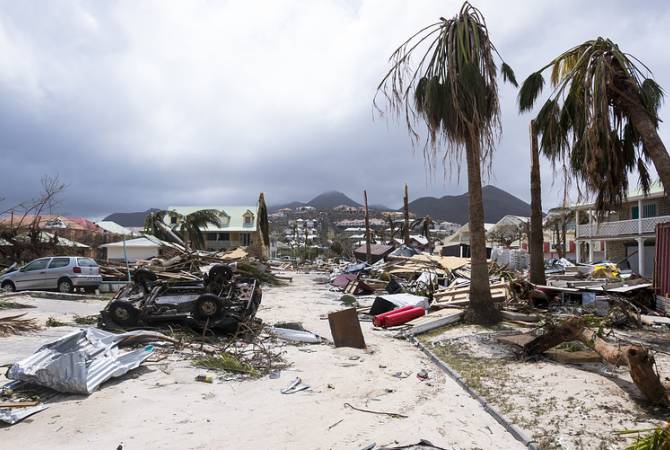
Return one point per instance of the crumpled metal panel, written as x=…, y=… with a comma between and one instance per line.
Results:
x=14, y=415
x=81, y=361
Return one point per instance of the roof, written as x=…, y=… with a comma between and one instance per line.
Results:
x=375, y=249
x=45, y=238
x=466, y=229
x=233, y=216
x=113, y=227
x=142, y=242
x=51, y=221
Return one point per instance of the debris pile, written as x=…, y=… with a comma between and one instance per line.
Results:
x=191, y=266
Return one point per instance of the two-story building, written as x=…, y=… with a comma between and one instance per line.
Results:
x=238, y=228
x=628, y=234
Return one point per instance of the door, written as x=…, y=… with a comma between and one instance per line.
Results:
x=32, y=275
x=57, y=268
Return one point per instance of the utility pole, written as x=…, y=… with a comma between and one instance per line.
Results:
x=368, y=256
x=406, y=210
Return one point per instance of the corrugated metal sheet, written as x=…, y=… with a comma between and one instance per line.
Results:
x=82, y=360
x=662, y=265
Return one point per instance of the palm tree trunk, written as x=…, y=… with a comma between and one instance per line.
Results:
x=559, y=245
x=536, y=240
x=405, y=201
x=368, y=255
x=645, y=125
x=564, y=238
x=481, y=309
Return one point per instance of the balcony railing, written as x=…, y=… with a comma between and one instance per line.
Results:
x=633, y=227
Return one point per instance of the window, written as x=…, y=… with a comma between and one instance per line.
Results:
x=38, y=264
x=245, y=238
x=86, y=262
x=211, y=236
x=173, y=220
x=634, y=212
x=649, y=210
x=59, y=262
x=248, y=218
x=224, y=236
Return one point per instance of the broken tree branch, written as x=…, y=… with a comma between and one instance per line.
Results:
x=637, y=358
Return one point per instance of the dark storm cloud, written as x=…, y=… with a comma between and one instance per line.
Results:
x=147, y=104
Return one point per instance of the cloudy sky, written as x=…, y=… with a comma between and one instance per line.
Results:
x=139, y=104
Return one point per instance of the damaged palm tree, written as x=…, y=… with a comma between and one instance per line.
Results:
x=454, y=91
x=263, y=223
x=601, y=120
x=636, y=357
x=189, y=226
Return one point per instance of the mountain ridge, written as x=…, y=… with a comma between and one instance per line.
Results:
x=454, y=208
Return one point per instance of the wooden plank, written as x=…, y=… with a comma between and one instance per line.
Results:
x=434, y=320
x=624, y=289
x=20, y=404
x=346, y=329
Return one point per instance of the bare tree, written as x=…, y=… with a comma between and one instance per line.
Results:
x=22, y=224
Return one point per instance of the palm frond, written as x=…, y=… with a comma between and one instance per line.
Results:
x=530, y=90
x=508, y=74
x=586, y=121
x=452, y=90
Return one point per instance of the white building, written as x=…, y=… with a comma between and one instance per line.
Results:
x=627, y=234
x=135, y=249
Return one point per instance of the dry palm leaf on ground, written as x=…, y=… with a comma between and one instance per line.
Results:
x=16, y=325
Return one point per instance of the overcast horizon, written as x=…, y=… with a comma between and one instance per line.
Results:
x=156, y=103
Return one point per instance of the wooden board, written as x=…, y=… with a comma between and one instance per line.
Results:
x=433, y=320
x=346, y=329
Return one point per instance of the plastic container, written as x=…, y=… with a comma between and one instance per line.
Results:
x=378, y=320
x=402, y=317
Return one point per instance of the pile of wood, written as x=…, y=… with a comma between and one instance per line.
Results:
x=190, y=266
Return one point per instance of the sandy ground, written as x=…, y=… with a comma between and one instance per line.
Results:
x=558, y=405
x=161, y=406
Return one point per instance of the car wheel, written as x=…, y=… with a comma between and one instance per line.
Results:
x=207, y=306
x=65, y=285
x=123, y=313
x=9, y=286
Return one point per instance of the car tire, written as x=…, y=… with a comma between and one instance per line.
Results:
x=9, y=286
x=65, y=285
x=123, y=313
x=207, y=306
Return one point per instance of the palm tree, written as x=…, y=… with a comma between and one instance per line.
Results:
x=454, y=92
x=536, y=236
x=601, y=119
x=263, y=222
x=153, y=219
x=189, y=226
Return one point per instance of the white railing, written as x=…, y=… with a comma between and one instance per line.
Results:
x=621, y=227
